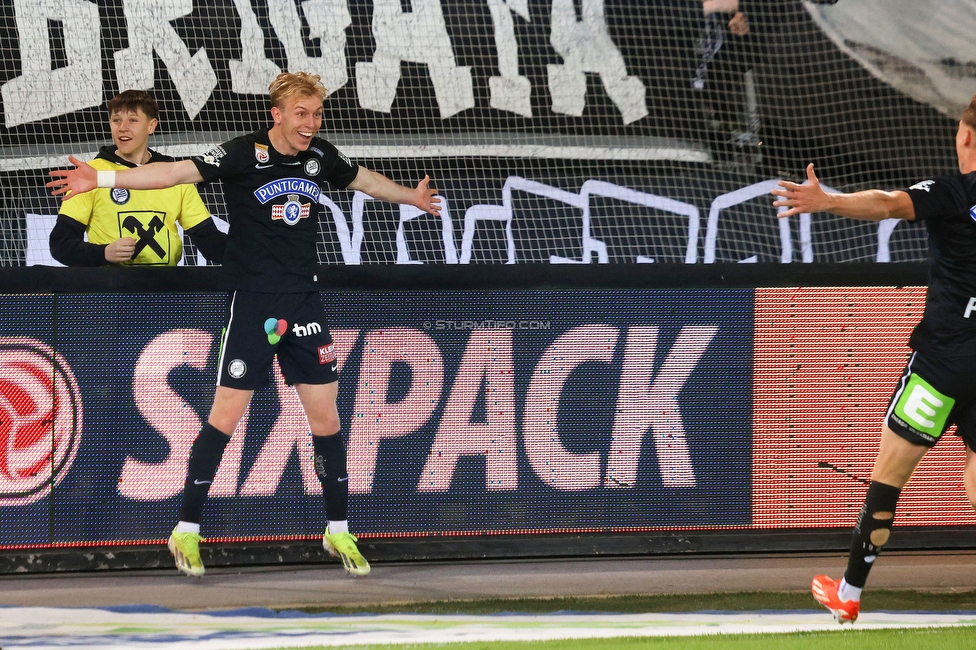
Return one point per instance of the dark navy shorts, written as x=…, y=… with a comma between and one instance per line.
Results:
x=262, y=325
x=935, y=392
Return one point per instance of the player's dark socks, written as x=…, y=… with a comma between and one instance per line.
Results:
x=205, y=456
x=872, y=531
x=330, y=466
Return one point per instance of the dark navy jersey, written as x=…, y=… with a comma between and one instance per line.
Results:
x=273, y=209
x=947, y=206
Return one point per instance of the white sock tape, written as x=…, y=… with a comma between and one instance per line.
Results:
x=106, y=179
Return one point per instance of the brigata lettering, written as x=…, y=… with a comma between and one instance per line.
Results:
x=583, y=42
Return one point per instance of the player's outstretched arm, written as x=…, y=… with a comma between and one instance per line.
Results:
x=84, y=177
x=868, y=205
x=379, y=186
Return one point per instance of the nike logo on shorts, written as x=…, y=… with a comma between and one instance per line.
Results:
x=199, y=482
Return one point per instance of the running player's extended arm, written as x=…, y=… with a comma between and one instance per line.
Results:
x=867, y=205
x=379, y=186
x=155, y=176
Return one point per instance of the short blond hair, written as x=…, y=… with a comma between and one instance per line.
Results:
x=296, y=84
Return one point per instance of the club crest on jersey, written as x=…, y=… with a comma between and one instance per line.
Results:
x=261, y=153
x=288, y=186
x=312, y=167
x=236, y=368
x=292, y=211
x=119, y=196
x=972, y=213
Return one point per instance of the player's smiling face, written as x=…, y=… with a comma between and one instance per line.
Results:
x=296, y=123
x=130, y=132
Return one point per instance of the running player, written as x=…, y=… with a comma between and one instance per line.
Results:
x=271, y=179
x=938, y=387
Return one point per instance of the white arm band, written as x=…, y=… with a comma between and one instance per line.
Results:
x=106, y=179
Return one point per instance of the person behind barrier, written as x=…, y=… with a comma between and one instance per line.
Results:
x=272, y=180
x=938, y=387
x=720, y=77
x=138, y=227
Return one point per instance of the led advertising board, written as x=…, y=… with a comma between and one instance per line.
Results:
x=465, y=412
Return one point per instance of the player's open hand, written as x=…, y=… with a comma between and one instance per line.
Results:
x=808, y=197
x=83, y=178
x=427, y=199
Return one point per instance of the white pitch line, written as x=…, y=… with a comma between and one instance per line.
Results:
x=46, y=628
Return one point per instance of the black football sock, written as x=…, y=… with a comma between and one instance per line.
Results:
x=204, y=458
x=330, y=466
x=872, y=531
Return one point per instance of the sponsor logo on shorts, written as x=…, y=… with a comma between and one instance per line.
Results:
x=119, y=196
x=261, y=153
x=236, y=368
x=40, y=420
x=275, y=328
x=312, y=167
x=306, y=330
x=923, y=408
x=327, y=354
